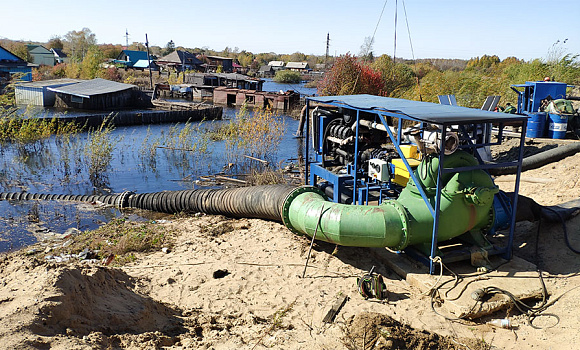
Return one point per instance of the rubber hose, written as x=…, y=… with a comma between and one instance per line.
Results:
x=264, y=202
x=540, y=159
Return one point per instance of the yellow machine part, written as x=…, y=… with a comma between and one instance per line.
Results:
x=401, y=173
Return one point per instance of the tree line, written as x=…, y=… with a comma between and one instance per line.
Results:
x=471, y=81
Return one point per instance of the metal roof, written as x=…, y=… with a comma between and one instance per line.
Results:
x=143, y=64
x=49, y=83
x=93, y=87
x=421, y=111
x=299, y=65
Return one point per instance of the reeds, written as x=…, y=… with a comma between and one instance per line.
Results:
x=256, y=134
x=98, y=151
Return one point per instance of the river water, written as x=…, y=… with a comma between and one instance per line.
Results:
x=57, y=166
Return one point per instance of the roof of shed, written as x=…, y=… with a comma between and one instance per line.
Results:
x=143, y=64
x=93, y=87
x=48, y=83
x=422, y=111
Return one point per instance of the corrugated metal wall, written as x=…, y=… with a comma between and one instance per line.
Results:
x=26, y=95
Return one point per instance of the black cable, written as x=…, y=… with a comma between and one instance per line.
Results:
x=563, y=222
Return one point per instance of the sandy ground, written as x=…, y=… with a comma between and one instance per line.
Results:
x=237, y=284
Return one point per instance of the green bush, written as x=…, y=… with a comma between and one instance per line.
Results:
x=287, y=76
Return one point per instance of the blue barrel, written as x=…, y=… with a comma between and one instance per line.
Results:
x=558, y=125
x=536, y=125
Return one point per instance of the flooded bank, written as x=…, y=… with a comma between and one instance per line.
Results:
x=139, y=162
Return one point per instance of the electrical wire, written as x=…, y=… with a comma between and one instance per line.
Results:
x=412, y=51
x=563, y=222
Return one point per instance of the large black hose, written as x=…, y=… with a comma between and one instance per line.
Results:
x=264, y=202
x=540, y=159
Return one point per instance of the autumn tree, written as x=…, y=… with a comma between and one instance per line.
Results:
x=110, y=50
x=484, y=61
x=137, y=46
x=77, y=43
x=91, y=63
x=245, y=58
x=55, y=42
x=351, y=76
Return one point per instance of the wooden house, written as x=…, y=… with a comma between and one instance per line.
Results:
x=59, y=56
x=11, y=64
x=298, y=66
x=129, y=58
x=213, y=62
x=276, y=65
x=96, y=94
x=41, y=55
x=179, y=61
x=266, y=71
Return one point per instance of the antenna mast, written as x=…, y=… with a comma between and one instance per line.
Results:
x=126, y=38
x=327, y=48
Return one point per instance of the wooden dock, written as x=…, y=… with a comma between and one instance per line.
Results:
x=144, y=117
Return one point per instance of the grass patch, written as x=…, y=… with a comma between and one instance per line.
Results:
x=25, y=129
x=122, y=238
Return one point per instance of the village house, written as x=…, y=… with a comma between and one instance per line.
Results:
x=276, y=65
x=298, y=66
x=266, y=71
x=59, y=56
x=213, y=62
x=41, y=55
x=11, y=64
x=179, y=61
x=129, y=58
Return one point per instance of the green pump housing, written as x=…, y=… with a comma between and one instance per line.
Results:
x=466, y=205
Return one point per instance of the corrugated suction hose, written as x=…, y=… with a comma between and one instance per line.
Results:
x=264, y=202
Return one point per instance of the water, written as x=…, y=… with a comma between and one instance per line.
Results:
x=59, y=166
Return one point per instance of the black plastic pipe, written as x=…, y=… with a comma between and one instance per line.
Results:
x=540, y=159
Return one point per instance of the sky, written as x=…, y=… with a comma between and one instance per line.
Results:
x=526, y=29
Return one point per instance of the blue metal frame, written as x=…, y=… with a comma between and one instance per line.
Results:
x=314, y=169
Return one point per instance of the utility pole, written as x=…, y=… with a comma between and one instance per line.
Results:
x=149, y=61
x=327, y=48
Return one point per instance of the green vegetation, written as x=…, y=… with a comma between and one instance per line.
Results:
x=121, y=238
x=183, y=144
x=287, y=76
x=471, y=84
x=256, y=134
x=99, y=151
x=25, y=130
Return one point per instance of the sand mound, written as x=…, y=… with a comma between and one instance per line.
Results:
x=102, y=300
